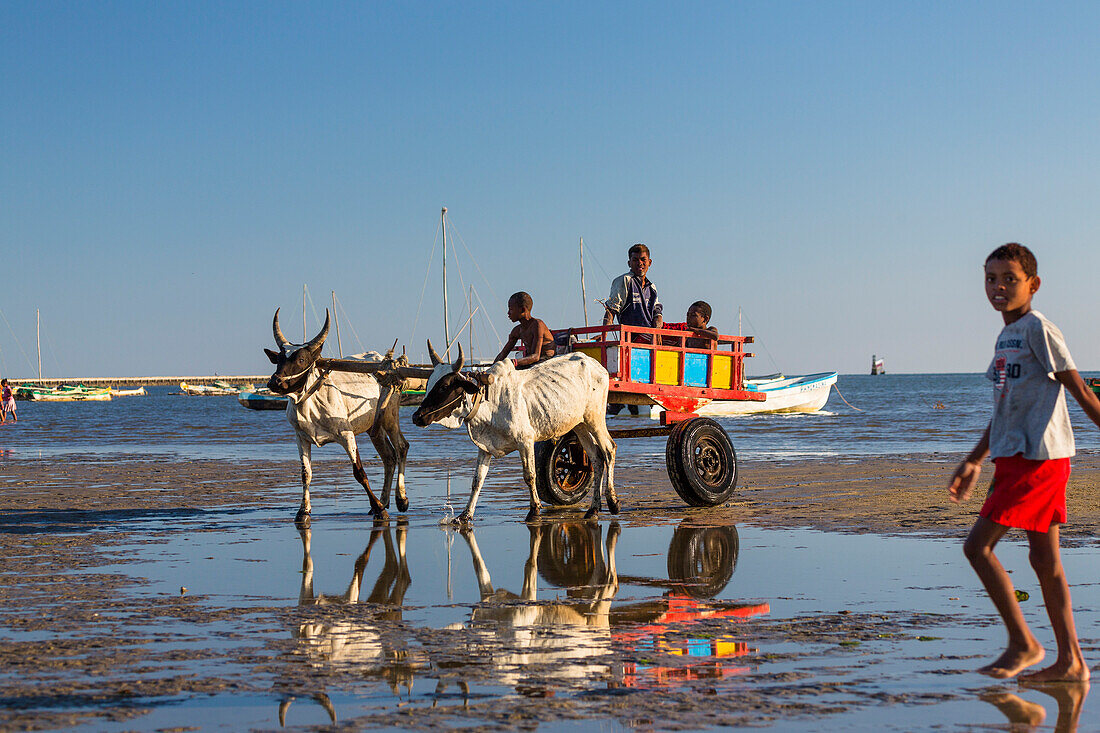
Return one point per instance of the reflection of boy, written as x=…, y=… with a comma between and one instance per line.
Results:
x=633, y=297
x=1031, y=442
x=538, y=342
x=698, y=316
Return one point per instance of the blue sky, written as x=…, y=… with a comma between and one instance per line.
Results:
x=170, y=173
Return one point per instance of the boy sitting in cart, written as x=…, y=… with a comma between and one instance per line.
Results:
x=697, y=321
x=538, y=342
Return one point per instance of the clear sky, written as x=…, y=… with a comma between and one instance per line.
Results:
x=172, y=172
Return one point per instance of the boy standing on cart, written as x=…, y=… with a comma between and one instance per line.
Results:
x=1031, y=442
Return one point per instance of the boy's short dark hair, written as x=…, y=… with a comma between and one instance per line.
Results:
x=1018, y=253
x=640, y=248
x=522, y=299
x=704, y=309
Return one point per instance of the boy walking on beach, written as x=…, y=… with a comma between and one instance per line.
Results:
x=1031, y=442
x=7, y=402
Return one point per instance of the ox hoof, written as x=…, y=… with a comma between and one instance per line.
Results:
x=592, y=513
x=462, y=520
x=402, y=503
x=533, y=515
x=302, y=520
x=380, y=513
x=613, y=504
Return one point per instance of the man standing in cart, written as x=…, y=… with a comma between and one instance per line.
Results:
x=633, y=297
x=634, y=300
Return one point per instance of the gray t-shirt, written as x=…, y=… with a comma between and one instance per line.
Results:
x=1029, y=404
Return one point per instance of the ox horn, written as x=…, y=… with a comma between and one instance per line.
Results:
x=319, y=339
x=436, y=361
x=458, y=362
x=280, y=339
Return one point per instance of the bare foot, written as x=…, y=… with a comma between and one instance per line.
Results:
x=1060, y=671
x=1017, y=710
x=1014, y=661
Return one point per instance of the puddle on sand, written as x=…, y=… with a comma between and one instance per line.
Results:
x=562, y=624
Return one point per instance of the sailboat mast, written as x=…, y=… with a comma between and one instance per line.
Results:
x=470, y=310
x=38, y=339
x=446, y=321
x=584, y=297
x=305, y=336
x=339, y=344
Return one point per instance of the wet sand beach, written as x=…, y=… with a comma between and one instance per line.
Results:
x=139, y=593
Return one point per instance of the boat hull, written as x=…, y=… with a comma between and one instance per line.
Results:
x=254, y=401
x=807, y=393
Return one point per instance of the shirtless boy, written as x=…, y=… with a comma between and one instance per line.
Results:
x=538, y=342
x=1031, y=442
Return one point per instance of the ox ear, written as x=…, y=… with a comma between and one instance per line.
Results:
x=273, y=355
x=458, y=362
x=469, y=386
x=436, y=361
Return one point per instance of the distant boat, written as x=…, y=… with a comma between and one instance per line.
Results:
x=135, y=392
x=262, y=400
x=218, y=388
x=878, y=366
x=1094, y=384
x=807, y=393
x=64, y=393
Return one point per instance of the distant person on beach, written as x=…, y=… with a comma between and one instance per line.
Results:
x=1031, y=442
x=538, y=342
x=7, y=402
x=697, y=321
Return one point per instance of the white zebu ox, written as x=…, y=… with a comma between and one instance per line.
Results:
x=334, y=407
x=506, y=409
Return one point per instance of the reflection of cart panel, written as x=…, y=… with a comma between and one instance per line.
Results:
x=657, y=366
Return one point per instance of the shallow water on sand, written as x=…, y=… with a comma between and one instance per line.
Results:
x=897, y=414
x=893, y=627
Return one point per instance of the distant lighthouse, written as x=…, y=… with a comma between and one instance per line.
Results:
x=878, y=366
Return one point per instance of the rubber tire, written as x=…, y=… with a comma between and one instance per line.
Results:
x=701, y=560
x=571, y=556
x=702, y=463
x=559, y=485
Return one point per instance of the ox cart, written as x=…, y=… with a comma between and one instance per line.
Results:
x=651, y=366
x=646, y=366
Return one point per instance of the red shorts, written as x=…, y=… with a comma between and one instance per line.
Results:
x=1027, y=494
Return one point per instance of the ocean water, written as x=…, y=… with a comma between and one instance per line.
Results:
x=894, y=414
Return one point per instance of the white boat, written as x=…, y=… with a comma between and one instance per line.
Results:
x=135, y=392
x=807, y=393
x=217, y=389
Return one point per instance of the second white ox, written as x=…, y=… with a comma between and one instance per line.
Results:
x=506, y=410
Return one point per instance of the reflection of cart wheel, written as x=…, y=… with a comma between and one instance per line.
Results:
x=701, y=560
x=569, y=555
x=702, y=464
x=563, y=473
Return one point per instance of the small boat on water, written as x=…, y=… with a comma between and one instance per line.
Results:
x=1094, y=384
x=806, y=393
x=134, y=392
x=262, y=400
x=218, y=388
x=63, y=393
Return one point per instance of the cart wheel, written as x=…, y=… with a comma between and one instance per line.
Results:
x=570, y=555
x=701, y=560
x=702, y=464
x=563, y=473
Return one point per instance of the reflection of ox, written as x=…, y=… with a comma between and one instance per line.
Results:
x=329, y=407
x=506, y=410
x=354, y=640
x=567, y=640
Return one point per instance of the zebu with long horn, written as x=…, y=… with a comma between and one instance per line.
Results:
x=506, y=410
x=333, y=407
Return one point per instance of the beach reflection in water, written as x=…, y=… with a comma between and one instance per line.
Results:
x=570, y=634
